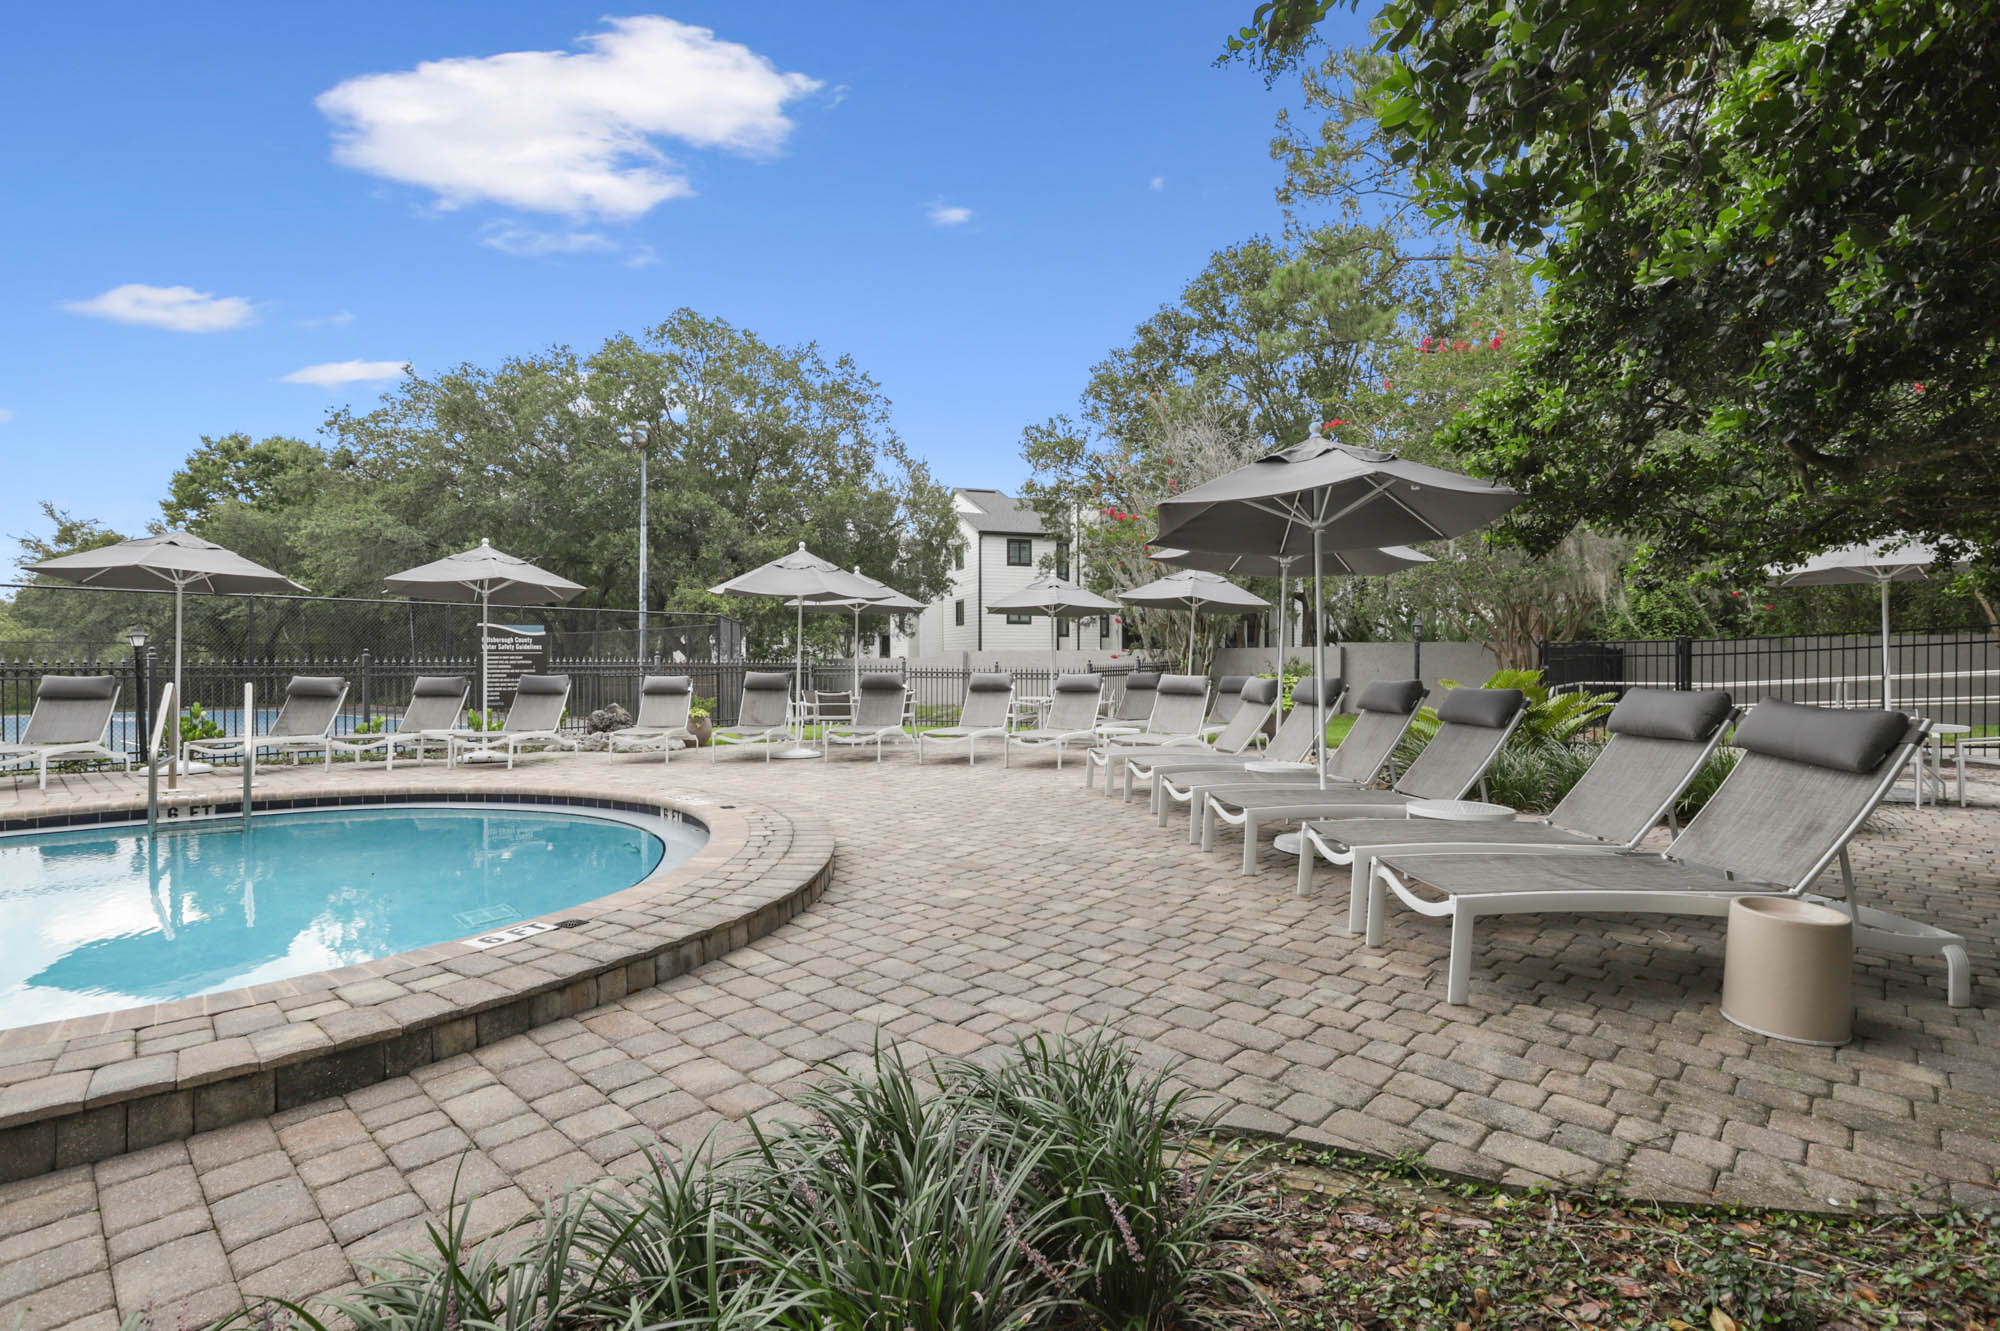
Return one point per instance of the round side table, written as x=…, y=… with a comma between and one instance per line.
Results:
x=1460, y=811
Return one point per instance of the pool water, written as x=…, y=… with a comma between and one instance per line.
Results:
x=99, y=918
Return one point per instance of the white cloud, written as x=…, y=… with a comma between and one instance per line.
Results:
x=641, y=256
x=529, y=243
x=1157, y=183
x=338, y=319
x=947, y=214
x=182, y=309
x=571, y=133
x=333, y=374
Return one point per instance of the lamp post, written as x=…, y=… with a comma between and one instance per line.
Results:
x=1417, y=647
x=639, y=438
x=136, y=636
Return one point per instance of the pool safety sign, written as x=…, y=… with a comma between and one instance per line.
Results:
x=511, y=934
x=512, y=650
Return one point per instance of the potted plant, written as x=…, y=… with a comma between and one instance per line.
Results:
x=700, y=724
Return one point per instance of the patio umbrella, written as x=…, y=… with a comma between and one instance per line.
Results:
x=1347, y=563
x=1895, y=559
x=1051, y=598
x=799, y=578
x=890, y=601
x=487, y=576
x=1198, y=592
x=1318, y=496
x=175, y=560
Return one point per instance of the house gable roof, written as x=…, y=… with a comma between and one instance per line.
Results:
x=990, y=512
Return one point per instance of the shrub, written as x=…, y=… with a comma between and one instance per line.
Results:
x=1535, y=777
x=197, y=724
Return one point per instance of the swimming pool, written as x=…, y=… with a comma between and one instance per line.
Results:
x=99, y=918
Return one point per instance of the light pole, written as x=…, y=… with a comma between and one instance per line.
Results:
x=136, y=636
x=1417, y=646
x=639, y=437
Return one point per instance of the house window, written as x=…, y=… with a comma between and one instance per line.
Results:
x=1062, y=628
x=1062, y=559
x=958, y=556
x=958, y=613
x=1104, y=626
x=1020, y=619
x=1020, y=552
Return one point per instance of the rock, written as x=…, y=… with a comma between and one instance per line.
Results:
x=606, y=719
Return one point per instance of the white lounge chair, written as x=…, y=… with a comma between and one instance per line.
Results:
x=1072, y=718
x=987, y=713
x=883, y=713
x=1134, y=704
x=665, y=704
x=437, y=702
x=1178, y=715
x=1222, y=708
x=1256, y=700
x=765, y=716
x=534, y=719
x=1298, y=737
x=1808, y=779
x=304, y=724
x=71, y=721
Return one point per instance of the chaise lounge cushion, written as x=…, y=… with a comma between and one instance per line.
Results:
x=1399, y=697
x=994, y=681
x=1305, y=693
x=1661, y=714
x=94, y=688
x=1259, y=692
x=438, y=686
x=1491, y=708
x=542, y=684
x=881, y=683
x=767, y=681
x=670, y=685
x=1845, y=741
x=322, y=686
x=1079, y=684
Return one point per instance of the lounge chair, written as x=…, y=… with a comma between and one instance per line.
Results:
x=665, y=703
x=1223, y=707
x=535, y=718
x=1473, y=724
x=1256, y=699
x=1808, y=778
x=1134, y=705
x=303, y=724
x=1659, y=742
x=987, y=713
x=436, y=704
x=764, y=718
x=883, y=713
x=1383, y=714
x=1296, y=740
x=1072, y=718
x=71, y=721
x=1177, y=720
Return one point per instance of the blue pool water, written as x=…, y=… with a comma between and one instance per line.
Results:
x=100, y=918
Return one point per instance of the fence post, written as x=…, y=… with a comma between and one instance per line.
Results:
x=140, y=702
x=367, y=712
x=1683, y=663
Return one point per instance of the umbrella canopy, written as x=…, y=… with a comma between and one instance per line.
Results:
x=1051, y=598
x=1318, y=496
x=1895, y=559
x=1198, y=592
x=176, y=560
x=485, y=575
x=889, y=601
x=1344, y=563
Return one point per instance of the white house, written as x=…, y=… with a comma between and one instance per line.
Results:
x=1001, y=548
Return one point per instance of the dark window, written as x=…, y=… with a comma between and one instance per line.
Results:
x=1020, y=552
x=1062, y=628
x=958, y=555
x=958, y=613
x=1062, y=559
x=1020, y=619
x=1104, y=626
x=882, y=649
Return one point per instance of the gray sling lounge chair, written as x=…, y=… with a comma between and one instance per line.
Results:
x=1383, y=714
x=1072, y=718
x=1176, y=721
x=304, y=724
x=71, y=721
x=1808, y=778
x=535, y=718
x=1293, y=746
x=1227, y=702
x=764, y=718
x=1659, y=742
x=1135, y=704
x=988, y=713
x=665, y=703
x=883, y=713
x=436, y=703
x=1256, y=699
x=1472, y=726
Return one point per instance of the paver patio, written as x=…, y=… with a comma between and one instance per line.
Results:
x=970, y=905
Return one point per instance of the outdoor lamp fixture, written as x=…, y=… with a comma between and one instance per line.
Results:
x=136, y=635
x=1417, y=646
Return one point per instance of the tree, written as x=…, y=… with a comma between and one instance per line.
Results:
x=1766, y=233
x=60, y=619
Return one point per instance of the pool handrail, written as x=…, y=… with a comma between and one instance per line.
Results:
x=168, y=707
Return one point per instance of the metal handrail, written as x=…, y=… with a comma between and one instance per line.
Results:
x=168, y=708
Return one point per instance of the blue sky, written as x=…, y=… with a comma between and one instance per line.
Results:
x=976, y=202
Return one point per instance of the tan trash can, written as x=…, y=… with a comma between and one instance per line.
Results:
x=1789, y=971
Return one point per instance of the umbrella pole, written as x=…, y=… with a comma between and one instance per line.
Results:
x=1319, y=653
x=857, y=654
x=1284, y=603
x=174, y=765
x=1194, y=610
x=485, y=692
x=1888, y=701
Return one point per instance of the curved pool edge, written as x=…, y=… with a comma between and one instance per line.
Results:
x=91, y=1087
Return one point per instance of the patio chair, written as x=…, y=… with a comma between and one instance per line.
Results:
x=71, y=720
x=1808, y=778
x=884, y=712
x=665, y=703
x=1177, y=719
x=1072, y=718
x=764, y=718
x=1660, y=740
x=1473, y=725
x=303, y=724
x=436, y=704
x=1223, y=707
x=1383, y=714
x=1135, y=704
x=535, y=718
x=988, y=712
x=1256, y=699
x=1297, y=738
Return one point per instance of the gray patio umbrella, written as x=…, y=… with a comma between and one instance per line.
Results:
x=487, y=576
x=889, y=601
x=801, y=577
x=1318, y=496
x=1344, y=563
x=1894, y=559
x=1198, y=592
x=1051, y=598
x=176, y=560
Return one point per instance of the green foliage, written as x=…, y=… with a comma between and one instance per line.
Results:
x=376, y=726
x=1706, y=782
x=701, y=707
x=1552, y=719
x=197, y=724
x=1534, y=778
x=1055, y=1187
x=491, y=719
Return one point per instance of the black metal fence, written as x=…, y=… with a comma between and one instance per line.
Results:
x=1948, y=675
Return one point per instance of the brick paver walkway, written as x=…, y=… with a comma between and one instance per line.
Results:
x=970, y=905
